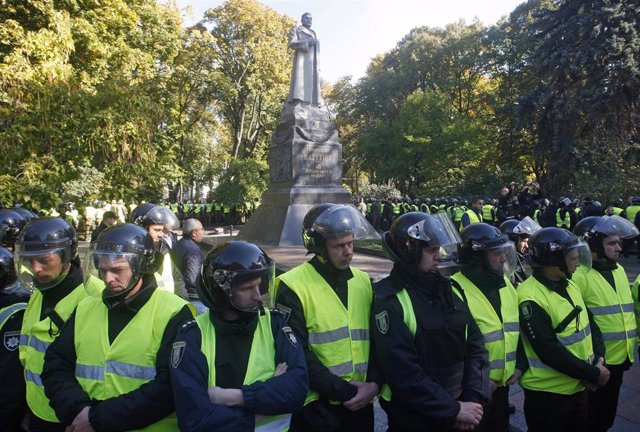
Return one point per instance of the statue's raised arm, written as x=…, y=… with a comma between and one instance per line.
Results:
x=305, y=76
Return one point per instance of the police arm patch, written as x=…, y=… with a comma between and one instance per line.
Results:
x=525, y=310
x=382, y=322
x=177, y=352
x=284, y=310
x=290, y=336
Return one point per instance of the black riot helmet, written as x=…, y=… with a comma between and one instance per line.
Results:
x=554, y=246
x=11, y=223
x=480, y=241
x=594, y=229
x=120, y=257
x=26, y=214
x=507, y=227
x=227, y=267
x=412, y=231
x=39, y=244
x=7, y=269
x=152, y=214
x=326, y=221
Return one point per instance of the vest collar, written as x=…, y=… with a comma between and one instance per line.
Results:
x=332, y=275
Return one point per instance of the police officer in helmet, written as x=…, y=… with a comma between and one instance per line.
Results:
x=117, y=342
x=488, y=260
x=160, y=223
x=46, y=262
x=342, y=372
x=605, y=290
x=429, y=347
x=13, y=302
x=562, y=342
x=238, y=366
x=519, y=232
x=11, y=223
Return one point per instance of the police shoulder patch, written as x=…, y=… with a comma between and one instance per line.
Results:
x=290, y=336
x=382, y=322
x=525, y=310
x=177, y=352
x=12, y=340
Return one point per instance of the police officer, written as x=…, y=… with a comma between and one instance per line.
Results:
x=471, y=215
x=429, y=347
x=11, y=223
x=519, y=232
x=488, y=259
x=605, y=290
x=562, y=342
x=159, y=222
x=13, y=302
x=108, y=369
x=238, y=366
x=329, y=305
x=46, y=262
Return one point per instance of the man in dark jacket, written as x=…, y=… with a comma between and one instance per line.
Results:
x=108, y=218
x=429, y=347
x=108, y=369
x=187, y=254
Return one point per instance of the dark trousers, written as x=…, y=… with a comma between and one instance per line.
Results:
x=552, y=412
x=320, y=416
x=603, y=403
x=496, y=413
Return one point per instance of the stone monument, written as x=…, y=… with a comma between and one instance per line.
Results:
x=305, y=157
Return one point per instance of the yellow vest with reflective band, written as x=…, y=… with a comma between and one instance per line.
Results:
x=260, y=367
x=337, y=336
x=576, y=337
x=106, y=370
x=500, y=337
x=612, y=311
x=473, y=218
x=631, y=212
x=164, y=280
x=9, y=311
x=487, y=212
x=636, y=302
x=35, y=337
x=563, y=223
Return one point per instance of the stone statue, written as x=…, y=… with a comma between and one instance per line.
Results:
x=305, y=76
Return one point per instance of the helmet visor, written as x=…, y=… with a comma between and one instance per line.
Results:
x=615, y=225
x=438, y=231
x=527, y=226
x=169, y=218
x=344, y=220
x=246, y=289
x=41, y=269
x=111, y=274
x=502, y=259
x=578, y=255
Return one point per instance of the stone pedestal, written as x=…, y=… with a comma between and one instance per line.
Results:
x=305, y=168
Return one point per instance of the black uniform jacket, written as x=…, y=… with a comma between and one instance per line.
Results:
x=12, y=388
x=146, y=405
x=419, y=369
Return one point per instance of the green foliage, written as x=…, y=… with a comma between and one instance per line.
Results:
x=243, y=180
x=381, y=192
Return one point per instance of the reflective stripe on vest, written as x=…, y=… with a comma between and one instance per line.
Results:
x=612, y=310
x=6, y=313
x=107, y=369
x=35, y=338
x=337, y=336
x=576, y=337
x=500, y=335
x=260, y=367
